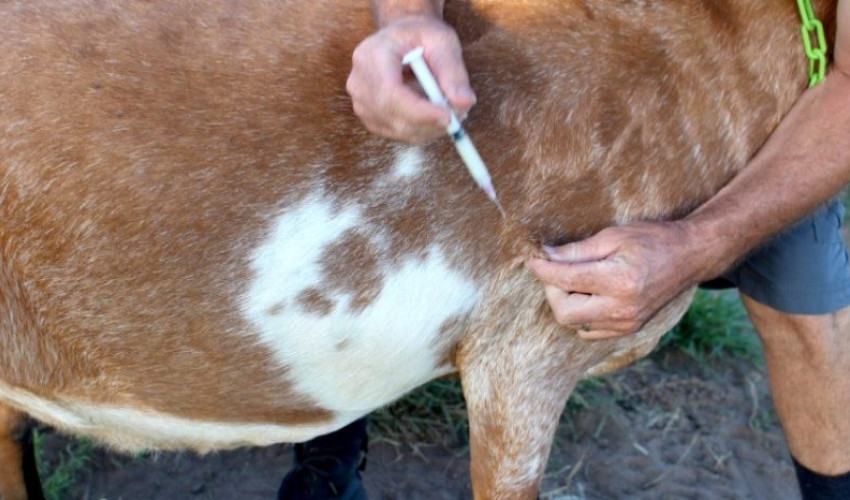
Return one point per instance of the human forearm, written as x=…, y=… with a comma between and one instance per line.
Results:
x=804, y=162
x=387, y=11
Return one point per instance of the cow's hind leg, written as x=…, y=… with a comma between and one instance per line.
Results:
x=515, y=389
x=18, y=473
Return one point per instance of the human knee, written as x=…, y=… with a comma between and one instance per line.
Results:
x=821, y=338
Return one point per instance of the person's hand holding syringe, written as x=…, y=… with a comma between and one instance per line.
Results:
x=388, y=107
x=382, y=99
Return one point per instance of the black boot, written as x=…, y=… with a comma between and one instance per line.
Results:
x=328, y=467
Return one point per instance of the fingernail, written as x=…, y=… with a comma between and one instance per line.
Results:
x=550, y=251
x=466, y=93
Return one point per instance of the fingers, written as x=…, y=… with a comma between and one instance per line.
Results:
x=593, y=316
x=385, y=103
x=598, y=293
x=584, y=277
x=595, y=248
x=397, y=112
x=594, y=283
x=616, y=281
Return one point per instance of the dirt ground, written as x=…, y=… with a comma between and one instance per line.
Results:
x=666, y=428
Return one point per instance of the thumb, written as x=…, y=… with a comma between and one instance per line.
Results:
x=595, y=248
x=451, y=74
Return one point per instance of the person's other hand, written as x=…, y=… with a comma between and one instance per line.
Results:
x=615, y=281
x=381, y=99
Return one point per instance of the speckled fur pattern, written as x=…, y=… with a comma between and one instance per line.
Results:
x=196, y=231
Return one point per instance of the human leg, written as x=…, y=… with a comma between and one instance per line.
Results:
x=797, y=292
x=808, y=364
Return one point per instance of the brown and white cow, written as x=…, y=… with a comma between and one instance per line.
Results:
x=201, y=247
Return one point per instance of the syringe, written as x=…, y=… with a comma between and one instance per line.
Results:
x=415, y=59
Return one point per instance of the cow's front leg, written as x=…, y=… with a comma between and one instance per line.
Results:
x=516, y=386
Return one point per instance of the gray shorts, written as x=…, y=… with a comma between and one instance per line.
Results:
x=804, y=270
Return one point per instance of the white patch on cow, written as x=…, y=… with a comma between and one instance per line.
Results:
x=351, y=359
x=288, y=263
x=137, y=429
x=408, y=163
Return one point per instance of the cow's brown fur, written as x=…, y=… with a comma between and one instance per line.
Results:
x=143, y=146
x=12, y=484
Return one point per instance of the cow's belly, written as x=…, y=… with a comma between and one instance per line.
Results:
x=133, y=429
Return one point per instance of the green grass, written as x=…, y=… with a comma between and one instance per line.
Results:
x=434, y=413
x=588, y=393
x=61, y=474
x=715, y=327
